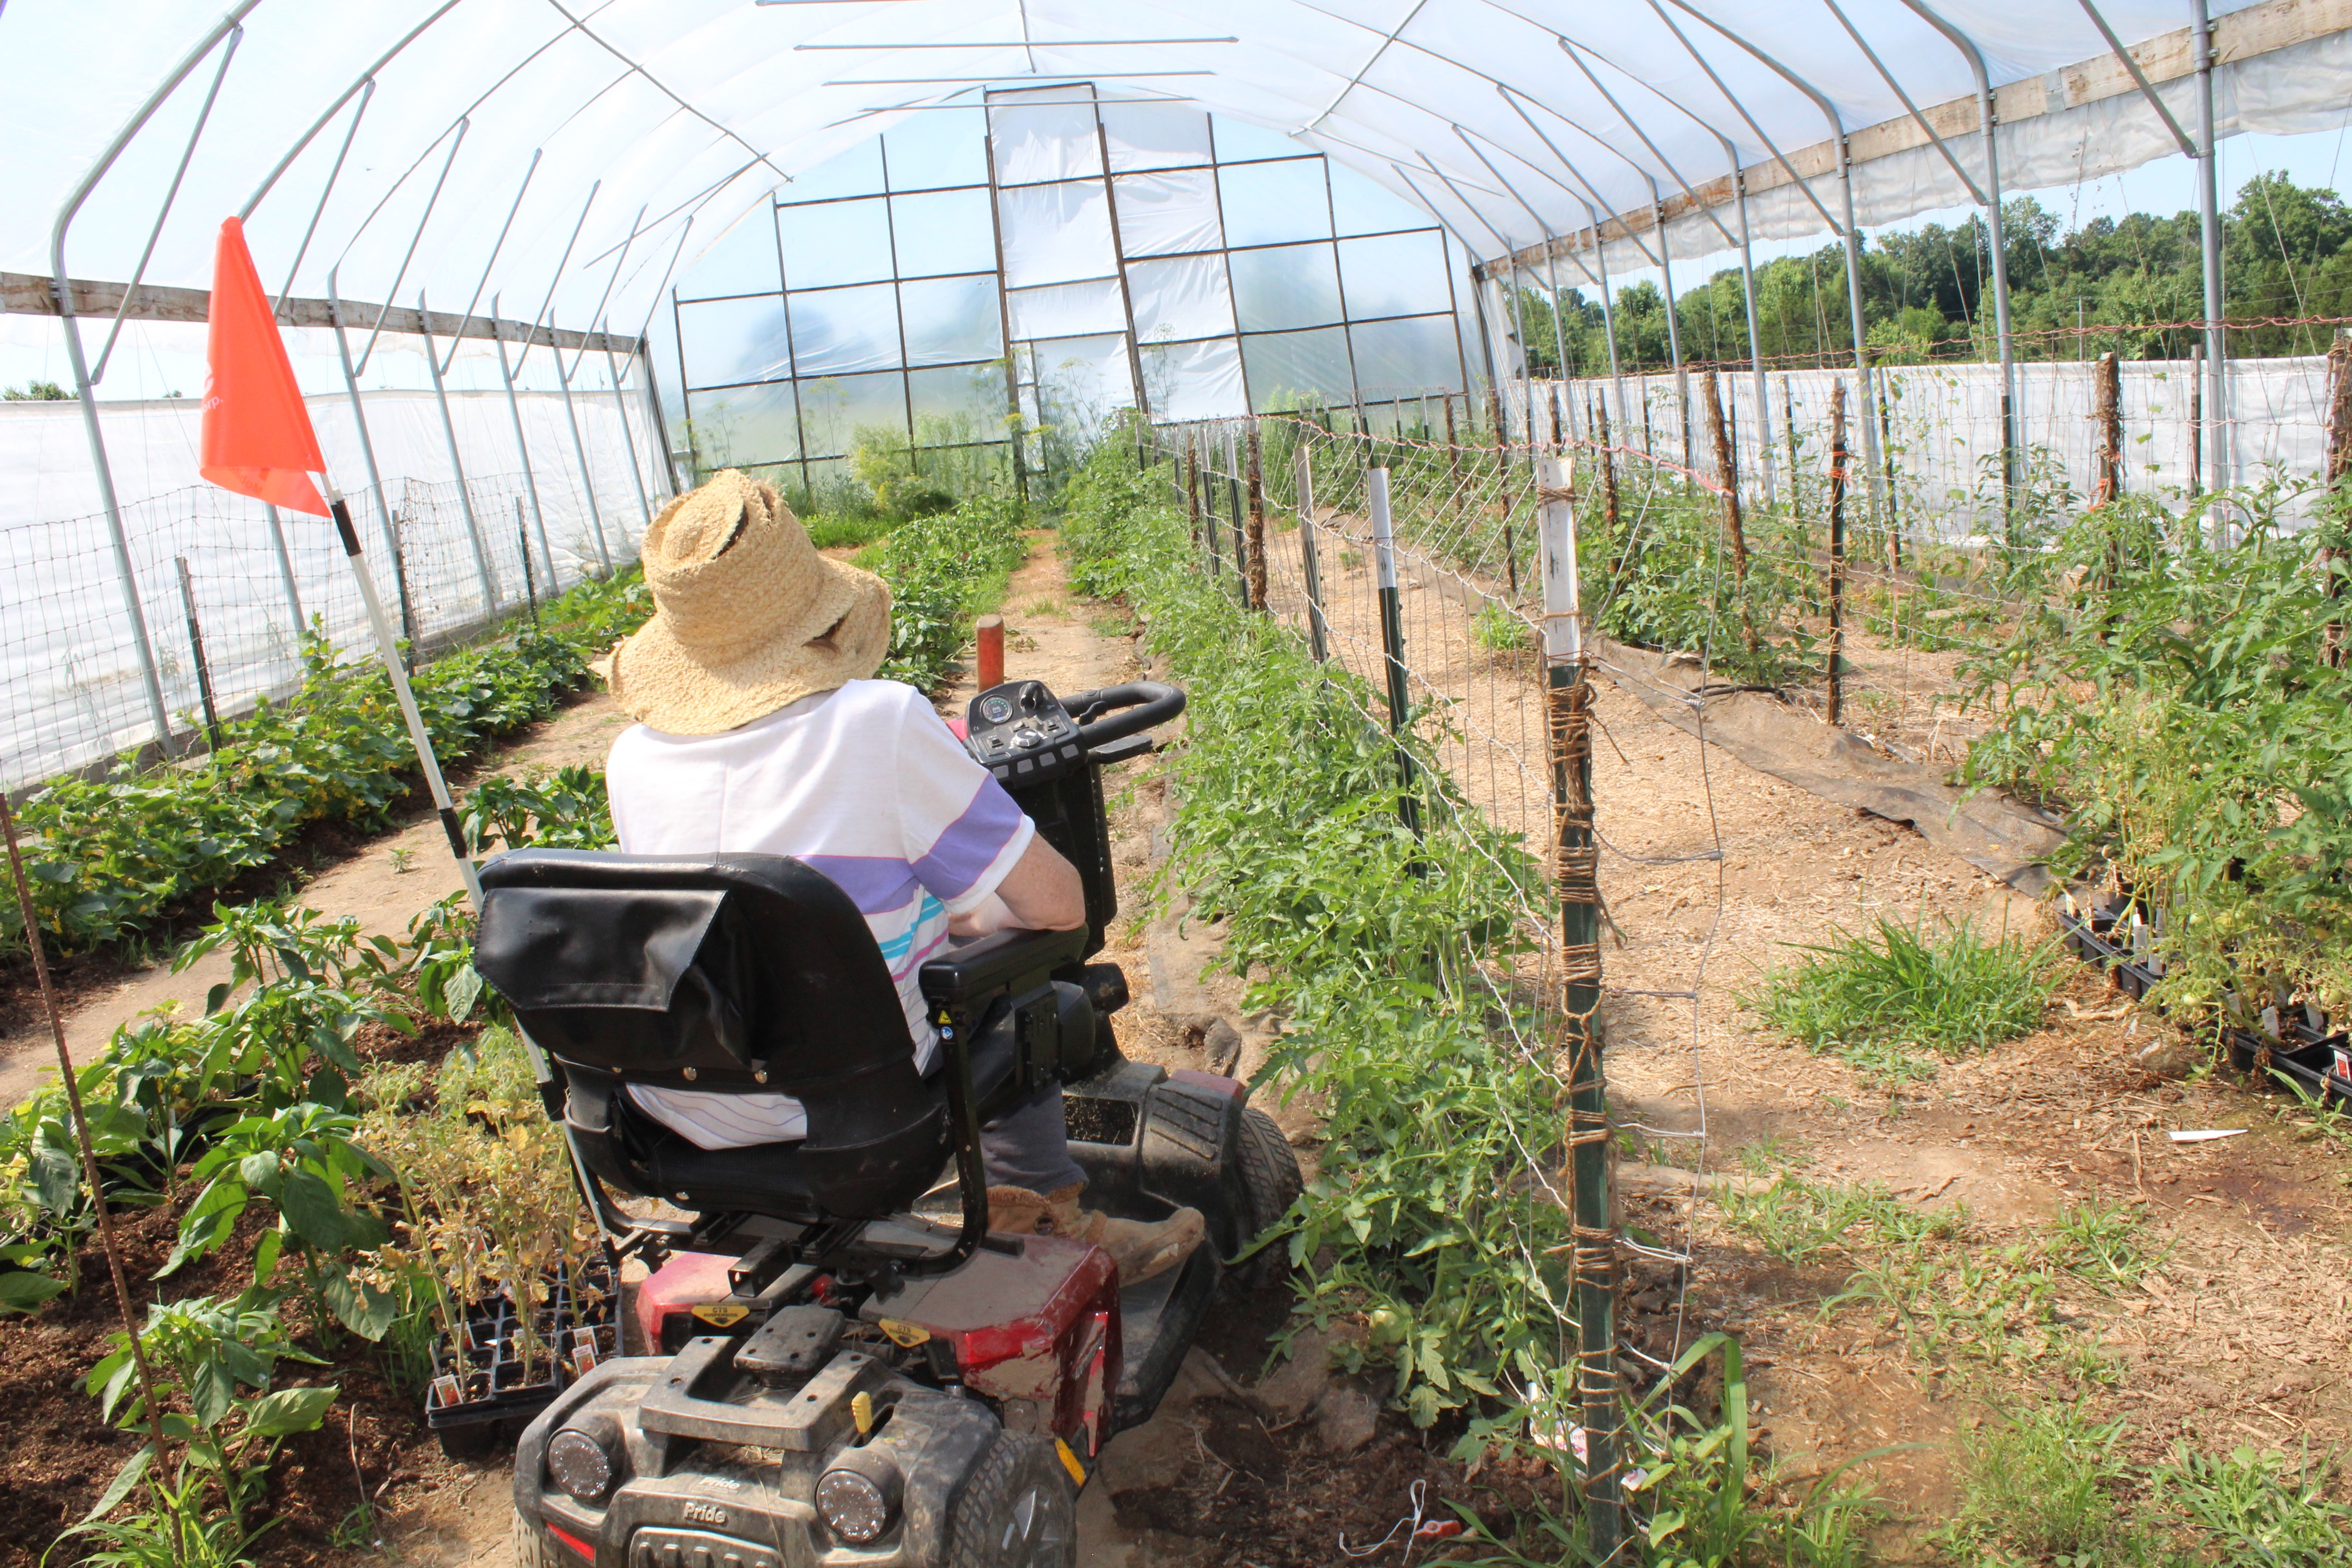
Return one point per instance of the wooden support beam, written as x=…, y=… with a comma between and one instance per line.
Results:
x=35, y=294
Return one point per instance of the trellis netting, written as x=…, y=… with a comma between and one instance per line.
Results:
x=450, y=557
x=1941, y=429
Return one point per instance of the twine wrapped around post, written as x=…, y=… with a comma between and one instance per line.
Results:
x=1575, y=866
x=1834, y=709
x=1726, y=466
x=2332, y=560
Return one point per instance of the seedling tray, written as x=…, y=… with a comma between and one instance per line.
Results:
x=484, y=1395
x=2091, y=934
x=2321, y=1064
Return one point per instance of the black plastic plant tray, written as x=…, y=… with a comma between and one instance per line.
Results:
x=2313, y=1062
x=2091, y=936
x=492, y=1389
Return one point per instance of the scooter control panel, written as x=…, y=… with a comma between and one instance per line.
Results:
x=1021, y=733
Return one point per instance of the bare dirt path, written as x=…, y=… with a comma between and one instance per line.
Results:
x=1714, y=873
x=456, y=1515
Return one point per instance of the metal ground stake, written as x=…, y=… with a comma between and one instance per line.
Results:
x=1568, y=696
x=1392, y=643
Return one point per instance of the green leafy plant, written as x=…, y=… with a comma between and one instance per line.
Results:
x=213, y=1361
x=2176, y=699
x=488, y=1200
x=301, y=1159
x=564, y=810
x=1879, y=998
x=1380, y=949
x=942, y=570
x=113, y=858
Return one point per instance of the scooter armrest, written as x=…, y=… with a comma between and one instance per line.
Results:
x=997, y=962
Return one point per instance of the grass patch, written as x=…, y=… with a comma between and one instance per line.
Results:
x=831, y=531
x=1957, y=1298
x=2038, y=1484
x=2046, y=1484
x=1893, y=1000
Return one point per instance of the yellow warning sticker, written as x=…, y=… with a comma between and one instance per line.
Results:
x=906, y=1335
x=722, y=1314
x=1070, y=1462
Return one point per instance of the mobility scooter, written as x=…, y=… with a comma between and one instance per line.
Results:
x=885, y=1383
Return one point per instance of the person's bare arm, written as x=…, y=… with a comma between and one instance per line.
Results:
x=1041, y=892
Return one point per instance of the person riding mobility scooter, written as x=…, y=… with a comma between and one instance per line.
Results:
x=885, y=1381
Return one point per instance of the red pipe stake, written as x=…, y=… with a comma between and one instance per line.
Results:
x=991, y=636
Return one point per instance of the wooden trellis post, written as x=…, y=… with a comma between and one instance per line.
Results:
x=1568, y=697
x=1318, y=635
x=1726, y=467
x=1192, y=485
x=1502, y=492
x=1834, y=707
x=2107, y=465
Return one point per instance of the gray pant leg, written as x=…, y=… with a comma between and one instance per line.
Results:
x=1029, y=1146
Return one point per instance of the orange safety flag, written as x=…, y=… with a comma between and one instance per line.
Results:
x=257, y=438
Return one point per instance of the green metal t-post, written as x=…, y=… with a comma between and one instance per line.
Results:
x=1393, y=643
x=1568, y=697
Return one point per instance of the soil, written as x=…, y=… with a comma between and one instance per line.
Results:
x=1711, y=871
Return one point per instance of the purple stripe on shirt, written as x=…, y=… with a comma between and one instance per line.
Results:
x=876, y=884
x=971, y=843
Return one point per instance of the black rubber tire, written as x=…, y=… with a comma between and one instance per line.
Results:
x=1017, y=1508
x=534, y=1548
x=1271, y=1180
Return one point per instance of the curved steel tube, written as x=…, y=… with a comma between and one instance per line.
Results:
x=157, y=711
x=1987, y=124
x=1852, y=242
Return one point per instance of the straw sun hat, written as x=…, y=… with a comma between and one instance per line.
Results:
x=748, y=617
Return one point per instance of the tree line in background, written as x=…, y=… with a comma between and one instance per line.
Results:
x=2286, y=252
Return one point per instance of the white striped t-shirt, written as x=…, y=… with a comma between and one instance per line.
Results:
x=864, y=784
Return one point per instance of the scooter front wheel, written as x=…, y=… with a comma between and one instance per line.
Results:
x=1018, y=1509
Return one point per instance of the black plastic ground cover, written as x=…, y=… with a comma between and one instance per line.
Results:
x=487, y=1392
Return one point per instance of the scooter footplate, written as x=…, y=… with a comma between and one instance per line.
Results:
x=1158, y=1320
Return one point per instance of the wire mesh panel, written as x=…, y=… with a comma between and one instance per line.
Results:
x=71, y=690
x=1447, y=599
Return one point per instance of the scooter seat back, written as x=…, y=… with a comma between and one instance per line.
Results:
x=734, y=974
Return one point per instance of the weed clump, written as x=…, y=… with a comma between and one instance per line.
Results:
x=1891, y=1000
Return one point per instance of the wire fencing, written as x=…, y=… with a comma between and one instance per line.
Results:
x=1414, y=566
x=450, y=563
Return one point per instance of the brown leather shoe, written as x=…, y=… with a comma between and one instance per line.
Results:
x=1142, y=1249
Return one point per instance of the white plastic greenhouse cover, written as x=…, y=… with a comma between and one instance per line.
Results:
x=663, y=120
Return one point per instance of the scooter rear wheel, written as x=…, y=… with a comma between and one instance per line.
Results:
x=1271, y=1179
x=1018, y=1509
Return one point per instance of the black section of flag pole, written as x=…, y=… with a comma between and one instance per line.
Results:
x=342, y=511
x=456, y=830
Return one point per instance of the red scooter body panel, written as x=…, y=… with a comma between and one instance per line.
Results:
x=1042, y=1327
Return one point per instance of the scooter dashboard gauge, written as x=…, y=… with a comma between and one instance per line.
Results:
x=1021, y=733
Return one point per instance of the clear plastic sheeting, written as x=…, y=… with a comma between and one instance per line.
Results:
x=1056, y=234
x=1169, y=212
x=1941, y=429
x=657, y=125
x=70, y=689
x=1181, y=297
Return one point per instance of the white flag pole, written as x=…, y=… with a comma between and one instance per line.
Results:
x=388, y=648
